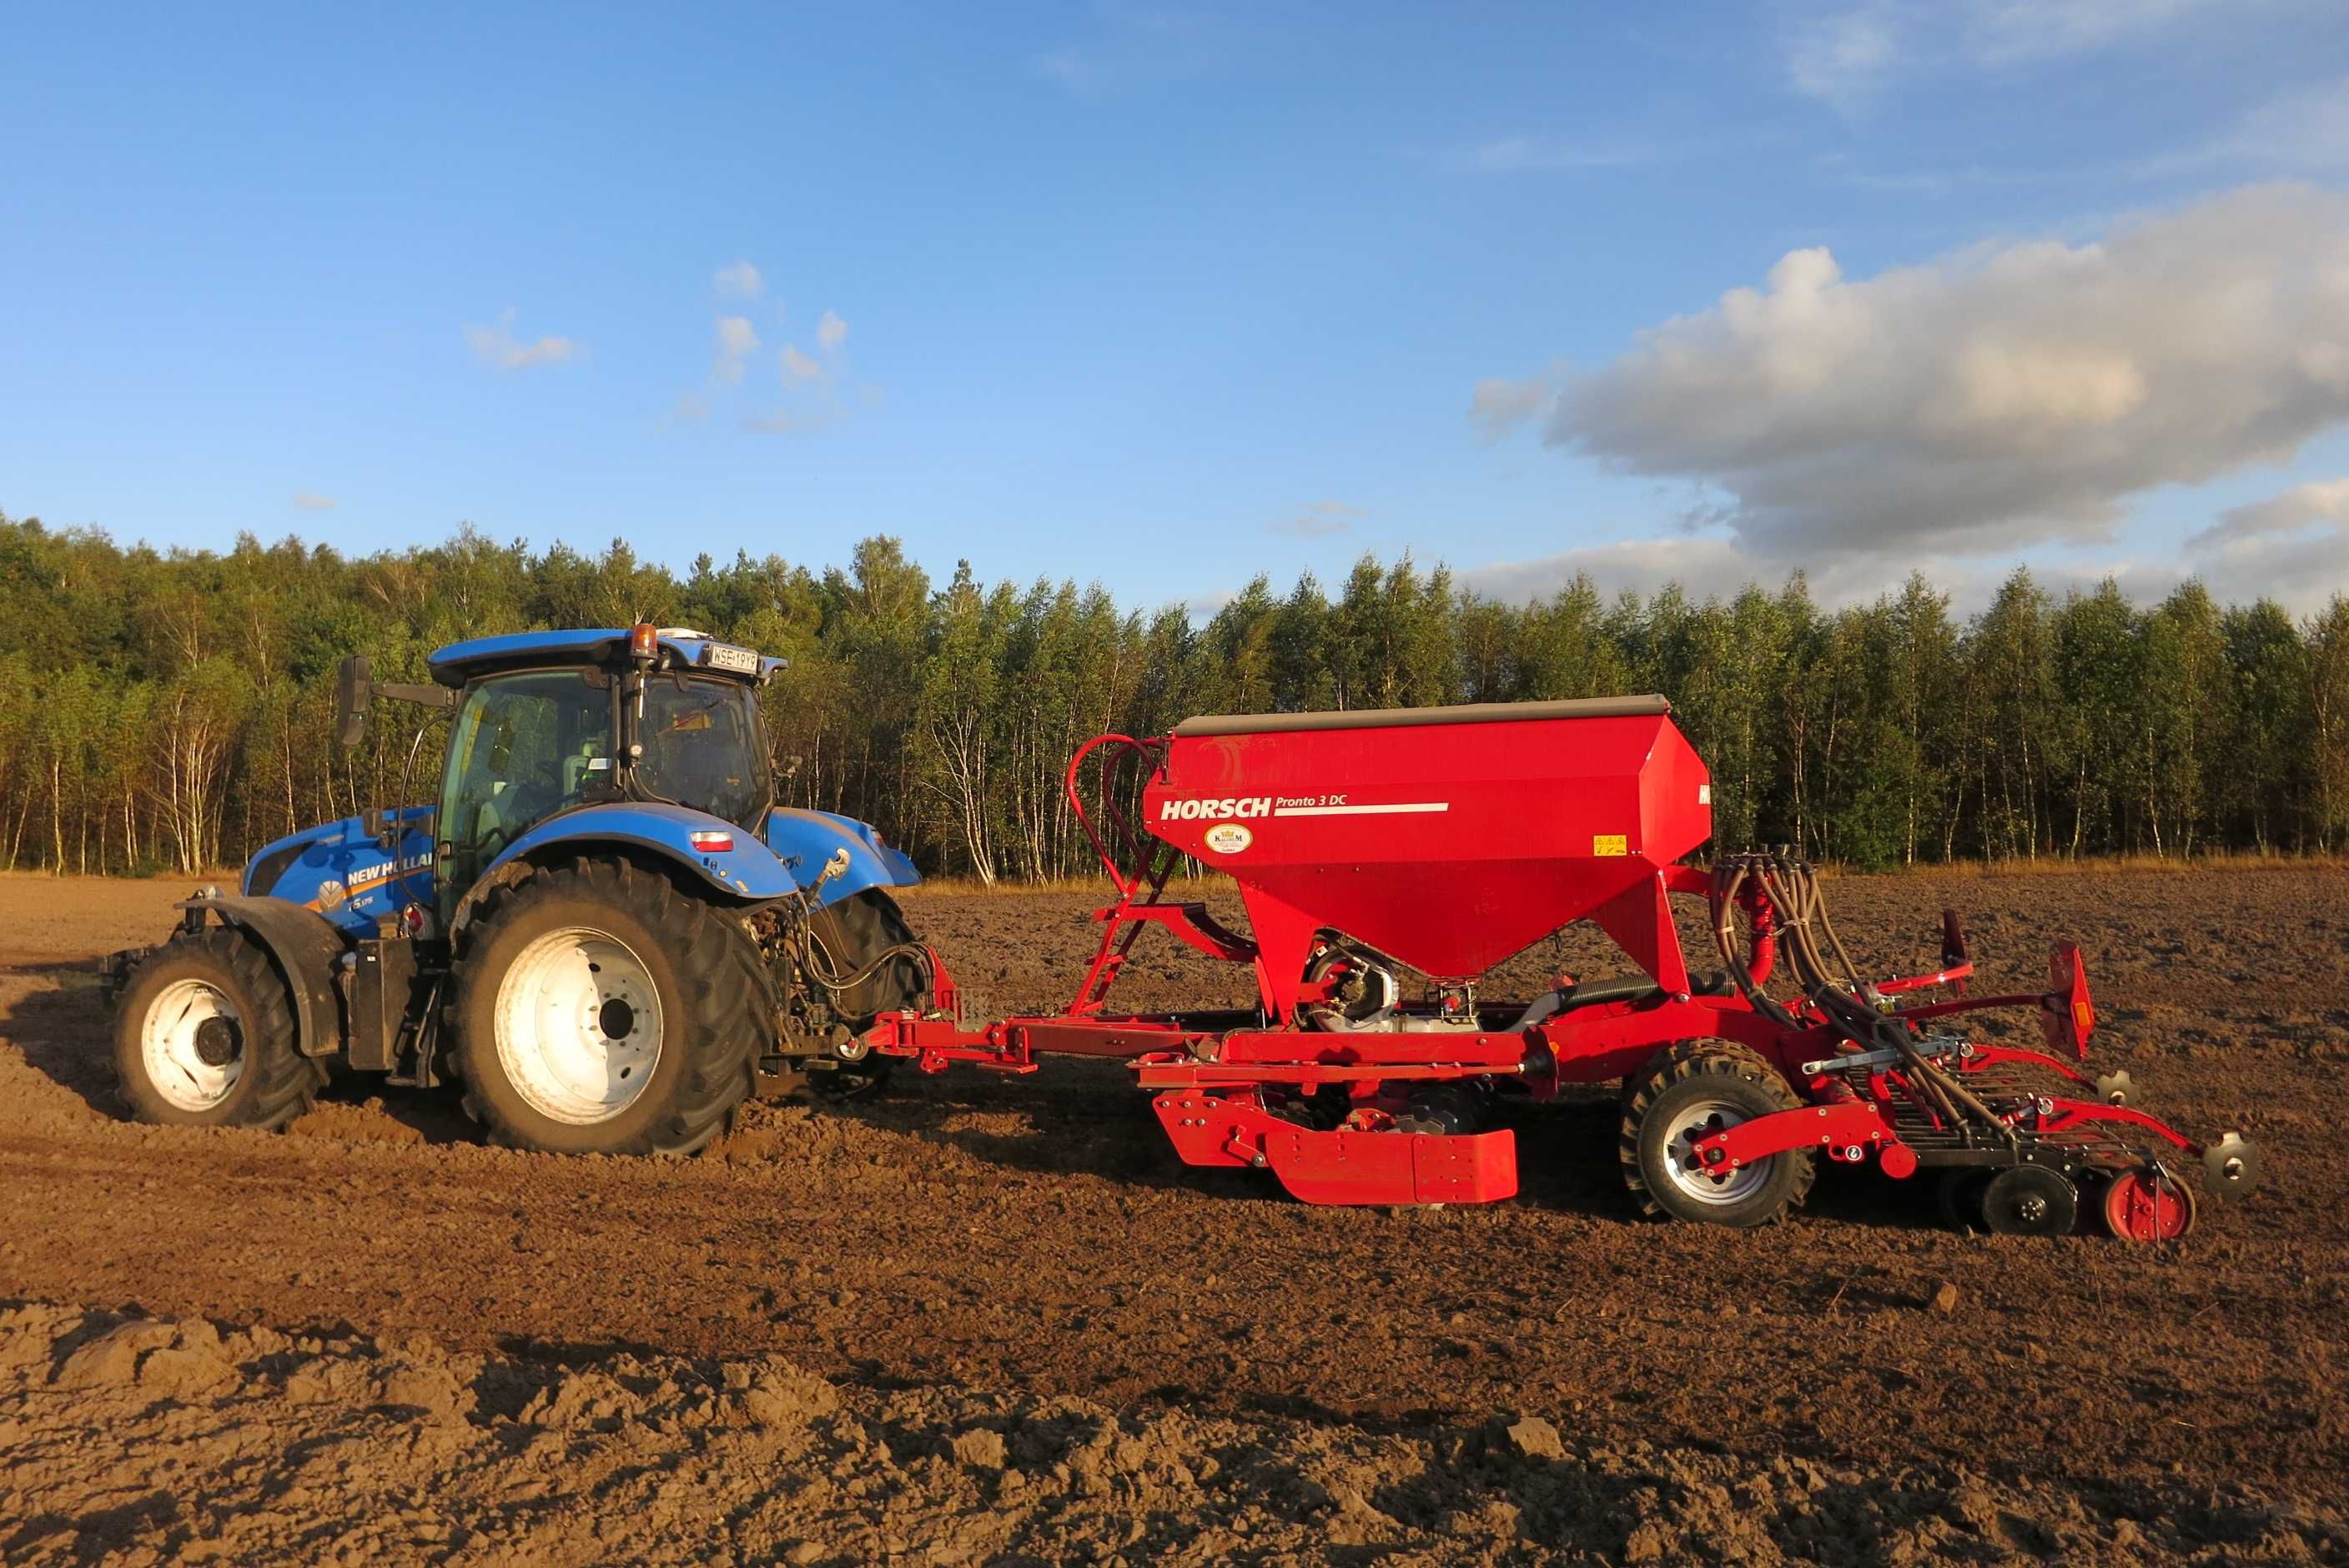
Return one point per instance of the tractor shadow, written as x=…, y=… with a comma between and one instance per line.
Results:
x=61, y=1028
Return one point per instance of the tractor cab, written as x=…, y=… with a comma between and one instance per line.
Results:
x=549, y=722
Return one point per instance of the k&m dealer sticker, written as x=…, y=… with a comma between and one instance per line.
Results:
x=1229, y=838
x=1611, y=844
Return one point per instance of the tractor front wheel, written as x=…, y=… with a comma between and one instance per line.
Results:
x=1691, y=1091
x=203, y=1037
x=601, y=1011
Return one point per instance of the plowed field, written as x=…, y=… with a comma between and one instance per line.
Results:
x=1176, y=1362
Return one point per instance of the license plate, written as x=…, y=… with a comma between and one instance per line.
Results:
x=742, y=661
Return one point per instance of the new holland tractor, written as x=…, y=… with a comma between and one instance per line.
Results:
x=605, y=928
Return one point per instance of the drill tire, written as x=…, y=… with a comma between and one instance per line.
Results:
x=1700, y=1073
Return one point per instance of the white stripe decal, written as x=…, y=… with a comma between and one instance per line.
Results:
x=1361, y=811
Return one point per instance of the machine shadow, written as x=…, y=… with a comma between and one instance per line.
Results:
x=61, y=1028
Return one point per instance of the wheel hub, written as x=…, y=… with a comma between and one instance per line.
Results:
x=217, y=1041
x=192, y=1044
x=579, y=1025
x=1708, y=1183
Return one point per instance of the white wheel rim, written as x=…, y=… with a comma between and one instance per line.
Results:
x=167, y=1043
x=579, y=1025
x=1692, y=1176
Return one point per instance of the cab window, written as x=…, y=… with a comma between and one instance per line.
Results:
x=523, y=748
x=702, y=748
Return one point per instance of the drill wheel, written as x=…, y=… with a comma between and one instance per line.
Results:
x=2140, y=1206
x=2030, y=1201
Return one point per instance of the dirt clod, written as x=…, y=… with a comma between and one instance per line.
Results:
x=1945, y=1299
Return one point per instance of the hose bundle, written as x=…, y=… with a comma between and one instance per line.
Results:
x=1780, y=893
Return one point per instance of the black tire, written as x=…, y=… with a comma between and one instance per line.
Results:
x=1958, y=1193
x=716, y=1019
x=2030, y=1201
x=854, y=931
x=273, y=1083
x=1687, y=1077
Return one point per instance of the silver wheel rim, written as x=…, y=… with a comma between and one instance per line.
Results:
x=166, y=1045
x=1702, y=1119
x=578, y=1025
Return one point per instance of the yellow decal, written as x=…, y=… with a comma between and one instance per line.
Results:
x=1609, y=844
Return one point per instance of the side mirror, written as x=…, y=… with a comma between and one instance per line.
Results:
x=354, y=686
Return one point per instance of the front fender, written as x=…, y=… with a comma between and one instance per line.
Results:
x=307, y=947
x=748, y=872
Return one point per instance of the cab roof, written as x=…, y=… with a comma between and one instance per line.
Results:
x=460, y=662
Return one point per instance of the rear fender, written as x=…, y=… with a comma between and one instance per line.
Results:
x=805, y=839
x=307, y=947
x=799, y=845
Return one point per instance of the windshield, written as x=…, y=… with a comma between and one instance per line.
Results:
x=524, y=747
x=702, y=748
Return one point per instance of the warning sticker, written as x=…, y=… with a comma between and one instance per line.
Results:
x=1611, y=844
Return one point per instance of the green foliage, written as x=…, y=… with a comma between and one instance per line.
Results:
x=172, y=711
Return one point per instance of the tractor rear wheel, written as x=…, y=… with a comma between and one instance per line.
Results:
x=854, y=933
x=1693, y=1091
x=203, y=1037
x=601, y=1010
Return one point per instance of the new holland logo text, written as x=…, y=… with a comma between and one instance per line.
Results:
x=1230, y=806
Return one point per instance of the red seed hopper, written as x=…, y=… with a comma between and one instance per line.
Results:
x=1387, y=859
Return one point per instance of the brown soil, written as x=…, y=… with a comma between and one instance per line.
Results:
x=1250, y=1376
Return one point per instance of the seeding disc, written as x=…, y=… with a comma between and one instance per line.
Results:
x=2030, y=1201
x=2233, y=1166
x=2139, y=1206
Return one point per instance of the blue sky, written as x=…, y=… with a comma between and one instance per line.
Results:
x=1167, y=296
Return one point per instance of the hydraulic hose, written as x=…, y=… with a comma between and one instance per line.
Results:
x=1820, y=964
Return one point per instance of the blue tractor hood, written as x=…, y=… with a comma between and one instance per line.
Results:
x=342, y=872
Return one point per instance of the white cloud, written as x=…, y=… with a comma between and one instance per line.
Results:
x=1500, y=404
x=2304, y=128
x=1320, y=521
x=831, y=332
x=498, y=349
x=798, y=367
x=739, y=280
x=2292, y=547
x=1843, y=57
x=309, y=500
x=2004, y=396
x=1847, y=55
x=737, y=341
x=2000, y=31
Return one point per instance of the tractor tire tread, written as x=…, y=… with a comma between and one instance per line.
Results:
x=289, y=1081
x=714, y=959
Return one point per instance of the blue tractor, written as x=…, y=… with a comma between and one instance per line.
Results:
x=606, y=928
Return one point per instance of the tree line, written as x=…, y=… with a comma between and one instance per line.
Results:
x=172, y=711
